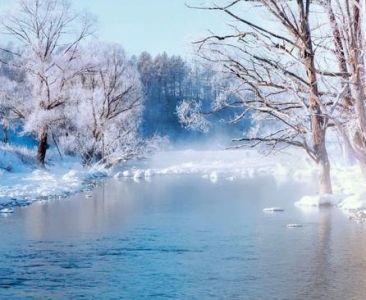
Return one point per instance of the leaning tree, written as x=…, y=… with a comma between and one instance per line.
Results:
x=278, y=74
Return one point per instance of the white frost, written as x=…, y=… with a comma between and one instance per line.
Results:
x=24, y=184
x=317, y=200
x=273, y=209
x=354, y=202
x=139, y=174
x=6, y=210
x=149, y=173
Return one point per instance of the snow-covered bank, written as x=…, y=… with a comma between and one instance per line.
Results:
x=21, y=183
x=348, y=183
x=349, y=190
x=213, y=165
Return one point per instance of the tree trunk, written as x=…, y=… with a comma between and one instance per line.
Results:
x=340, y=55
x=317, y=118
x=324, y=181
x=5, y=134
x=42, y=148
x=362, y=166
x=357, y=82
x=320, y=153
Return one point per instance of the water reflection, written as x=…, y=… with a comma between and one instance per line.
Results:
x=182, y=238
x=322, y=267
x=109, y=203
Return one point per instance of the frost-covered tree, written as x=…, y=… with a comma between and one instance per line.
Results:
x=11, y=86
x=103, y=116
x=50, y=33
x=277, y=74
x=168, y=80
x=347, y=21
x=6, y=87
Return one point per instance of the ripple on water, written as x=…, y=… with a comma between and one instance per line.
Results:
x=218, y=245
x=9, y=282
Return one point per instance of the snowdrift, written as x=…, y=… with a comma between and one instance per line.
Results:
x=21, y=183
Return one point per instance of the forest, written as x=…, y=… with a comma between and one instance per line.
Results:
x=62, y=87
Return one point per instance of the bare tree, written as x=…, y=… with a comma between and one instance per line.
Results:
x=106, y=105
x=276, y=68
x=50, y=33
x=349, y=41
x=9, y=85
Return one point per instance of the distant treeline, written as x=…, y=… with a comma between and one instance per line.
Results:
x=168, y=80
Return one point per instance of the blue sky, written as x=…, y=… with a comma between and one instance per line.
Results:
x=152, y=25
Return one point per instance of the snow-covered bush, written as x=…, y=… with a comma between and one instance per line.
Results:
x=190, y=115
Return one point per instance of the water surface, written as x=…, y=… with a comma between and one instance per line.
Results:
x=181, y=237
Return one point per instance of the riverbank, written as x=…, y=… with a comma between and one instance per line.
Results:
x=349, y=191
x=21, y=183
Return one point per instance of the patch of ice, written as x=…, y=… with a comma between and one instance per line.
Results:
x=139, y=174
x=273, y=209
x=353, y=202
x=127, y=173
x=317, y=200
x=293, y=225
x=6, y=210
x=252, y=173
x=149, y=173
x=118, y=175
x=214, y=177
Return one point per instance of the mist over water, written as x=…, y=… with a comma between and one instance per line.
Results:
x=181, y=237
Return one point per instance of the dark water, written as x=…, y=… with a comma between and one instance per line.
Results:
x=181, y=238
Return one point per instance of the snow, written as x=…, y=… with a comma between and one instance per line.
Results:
x=24, y=183
x=149, y=173
x=139, y=174
x=317, y=200
x=273, y=209
x=6, y=210
x=21, y=183
x=127, y=174
x=213, y=165
x=229, y=165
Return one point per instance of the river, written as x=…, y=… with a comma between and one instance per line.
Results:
x=182, y=237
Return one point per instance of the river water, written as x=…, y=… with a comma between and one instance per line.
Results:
x=182, y=237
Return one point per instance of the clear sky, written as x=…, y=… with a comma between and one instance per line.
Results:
x=152, y=25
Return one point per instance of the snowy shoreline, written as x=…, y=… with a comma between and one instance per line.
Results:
x=21, y=183
x=42, y=185
x=24, y=184
x=349, y=193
